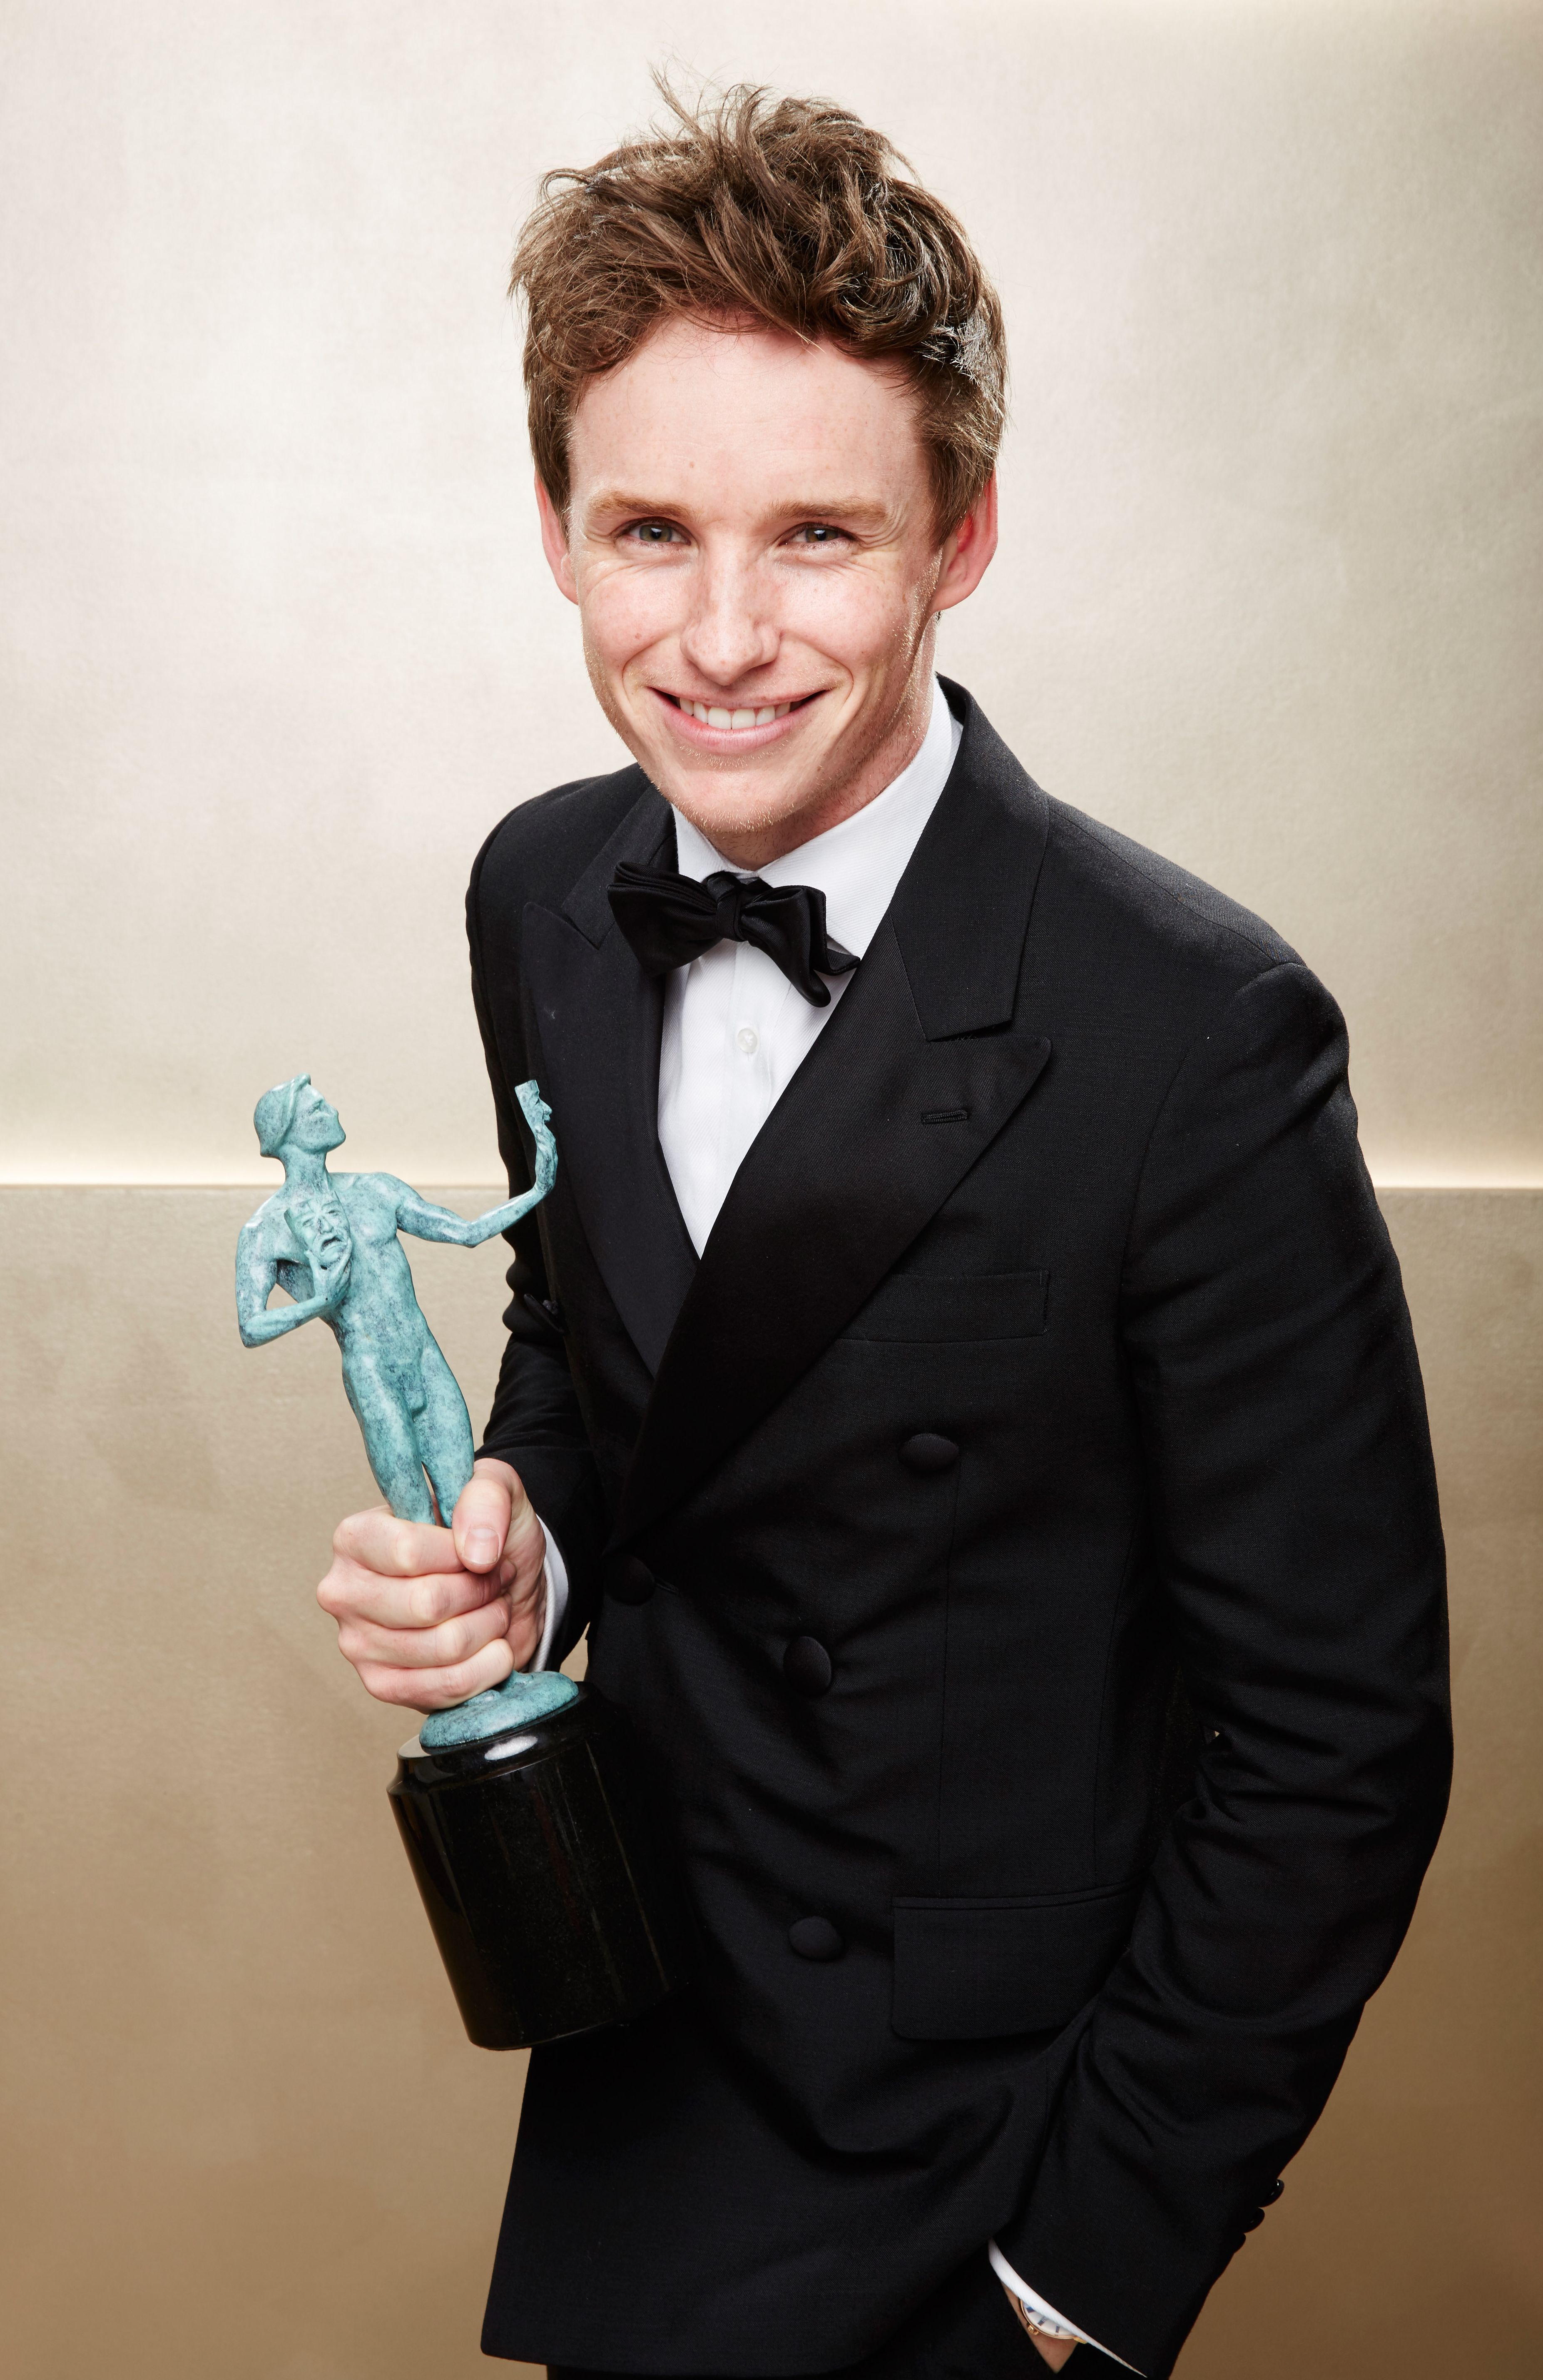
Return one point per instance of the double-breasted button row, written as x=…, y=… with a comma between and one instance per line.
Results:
x=807, y=1665
x=928, y=1452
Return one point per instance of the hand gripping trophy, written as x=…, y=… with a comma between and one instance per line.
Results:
x=523, y=1810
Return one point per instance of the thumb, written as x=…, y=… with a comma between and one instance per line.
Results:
x=484, y=1513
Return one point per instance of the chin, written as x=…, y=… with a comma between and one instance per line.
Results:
x=717, y=813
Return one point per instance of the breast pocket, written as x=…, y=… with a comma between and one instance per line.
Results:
x=970, y=1969
x=936, y=1306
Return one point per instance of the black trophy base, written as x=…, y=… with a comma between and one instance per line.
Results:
x=543, y=1872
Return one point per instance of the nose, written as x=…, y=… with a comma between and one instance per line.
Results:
x=730, y=634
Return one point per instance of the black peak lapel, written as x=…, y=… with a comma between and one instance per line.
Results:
x=598, y=1019
x=961, y=910
x=920, y=1067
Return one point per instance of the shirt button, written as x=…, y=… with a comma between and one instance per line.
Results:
x=748, y=1039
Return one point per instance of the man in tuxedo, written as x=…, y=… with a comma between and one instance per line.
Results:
x=960, y=1379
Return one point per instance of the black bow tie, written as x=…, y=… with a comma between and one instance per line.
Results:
x=671, y=919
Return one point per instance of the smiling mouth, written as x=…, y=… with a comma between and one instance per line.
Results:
x=737, y=720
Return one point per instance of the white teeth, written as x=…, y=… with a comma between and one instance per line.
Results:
x=717, y=716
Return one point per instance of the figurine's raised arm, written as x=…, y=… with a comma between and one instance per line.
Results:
x=426, y=1221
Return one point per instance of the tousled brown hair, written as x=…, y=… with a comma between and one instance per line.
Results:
x=787, y=212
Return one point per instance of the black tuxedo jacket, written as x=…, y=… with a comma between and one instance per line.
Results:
x=1048, y=1365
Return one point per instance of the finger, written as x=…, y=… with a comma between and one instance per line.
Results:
x=453, y=1643
x=395, y=1549
x=525, y=1540
x=485, y=1513
x=429, y=1689
x=351, y=1591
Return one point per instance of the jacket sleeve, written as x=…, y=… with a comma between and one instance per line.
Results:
x=536, y=1424
x=1293, y=1513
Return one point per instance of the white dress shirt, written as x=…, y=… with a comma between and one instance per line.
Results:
x=736, y=1033
x=735, y=1030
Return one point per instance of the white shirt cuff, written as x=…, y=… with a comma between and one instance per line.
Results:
x=554, y=1588
x=1043, y=2316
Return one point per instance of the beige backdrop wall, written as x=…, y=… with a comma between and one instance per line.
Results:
x=279, y=649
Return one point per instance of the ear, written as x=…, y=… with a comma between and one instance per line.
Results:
x=554, y=542
x=967, y=549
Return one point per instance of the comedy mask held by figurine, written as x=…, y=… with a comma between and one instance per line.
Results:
x=522, y=1809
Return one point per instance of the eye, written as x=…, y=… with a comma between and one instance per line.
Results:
x=654, y=533
x=818, y=534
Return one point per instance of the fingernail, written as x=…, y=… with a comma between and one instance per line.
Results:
x=482, y=1549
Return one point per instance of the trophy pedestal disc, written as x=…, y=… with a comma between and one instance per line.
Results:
x=535, y=1854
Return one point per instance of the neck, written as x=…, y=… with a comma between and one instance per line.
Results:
x=305, y=1169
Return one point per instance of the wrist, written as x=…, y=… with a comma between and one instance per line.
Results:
x=1054, y=2348
x=527, y=1622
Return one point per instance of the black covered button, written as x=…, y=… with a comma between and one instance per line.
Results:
x=928, y=1452
x=816, y=1937
x=807, y=1667
x=1254, y=2220
x=629, y=1579
x=546, y=1311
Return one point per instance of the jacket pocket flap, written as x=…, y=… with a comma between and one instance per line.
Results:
x=966, y=1970
x=954, y=1306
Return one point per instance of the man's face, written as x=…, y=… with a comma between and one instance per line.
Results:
x=316, y=1127
x=752, y=548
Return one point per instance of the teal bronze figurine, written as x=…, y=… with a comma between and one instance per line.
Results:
x=527, y=1820
x=331, y=1242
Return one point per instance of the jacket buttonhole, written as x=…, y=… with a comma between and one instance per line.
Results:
x=946, y=1116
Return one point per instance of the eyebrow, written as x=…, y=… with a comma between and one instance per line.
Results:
x=861, y=509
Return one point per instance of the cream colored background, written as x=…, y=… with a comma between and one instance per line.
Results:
x=279, y=649
x=283, y=649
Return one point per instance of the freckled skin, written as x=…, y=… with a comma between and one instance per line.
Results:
x=751, y=522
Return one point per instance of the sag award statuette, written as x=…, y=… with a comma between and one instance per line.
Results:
x=524, y=1811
